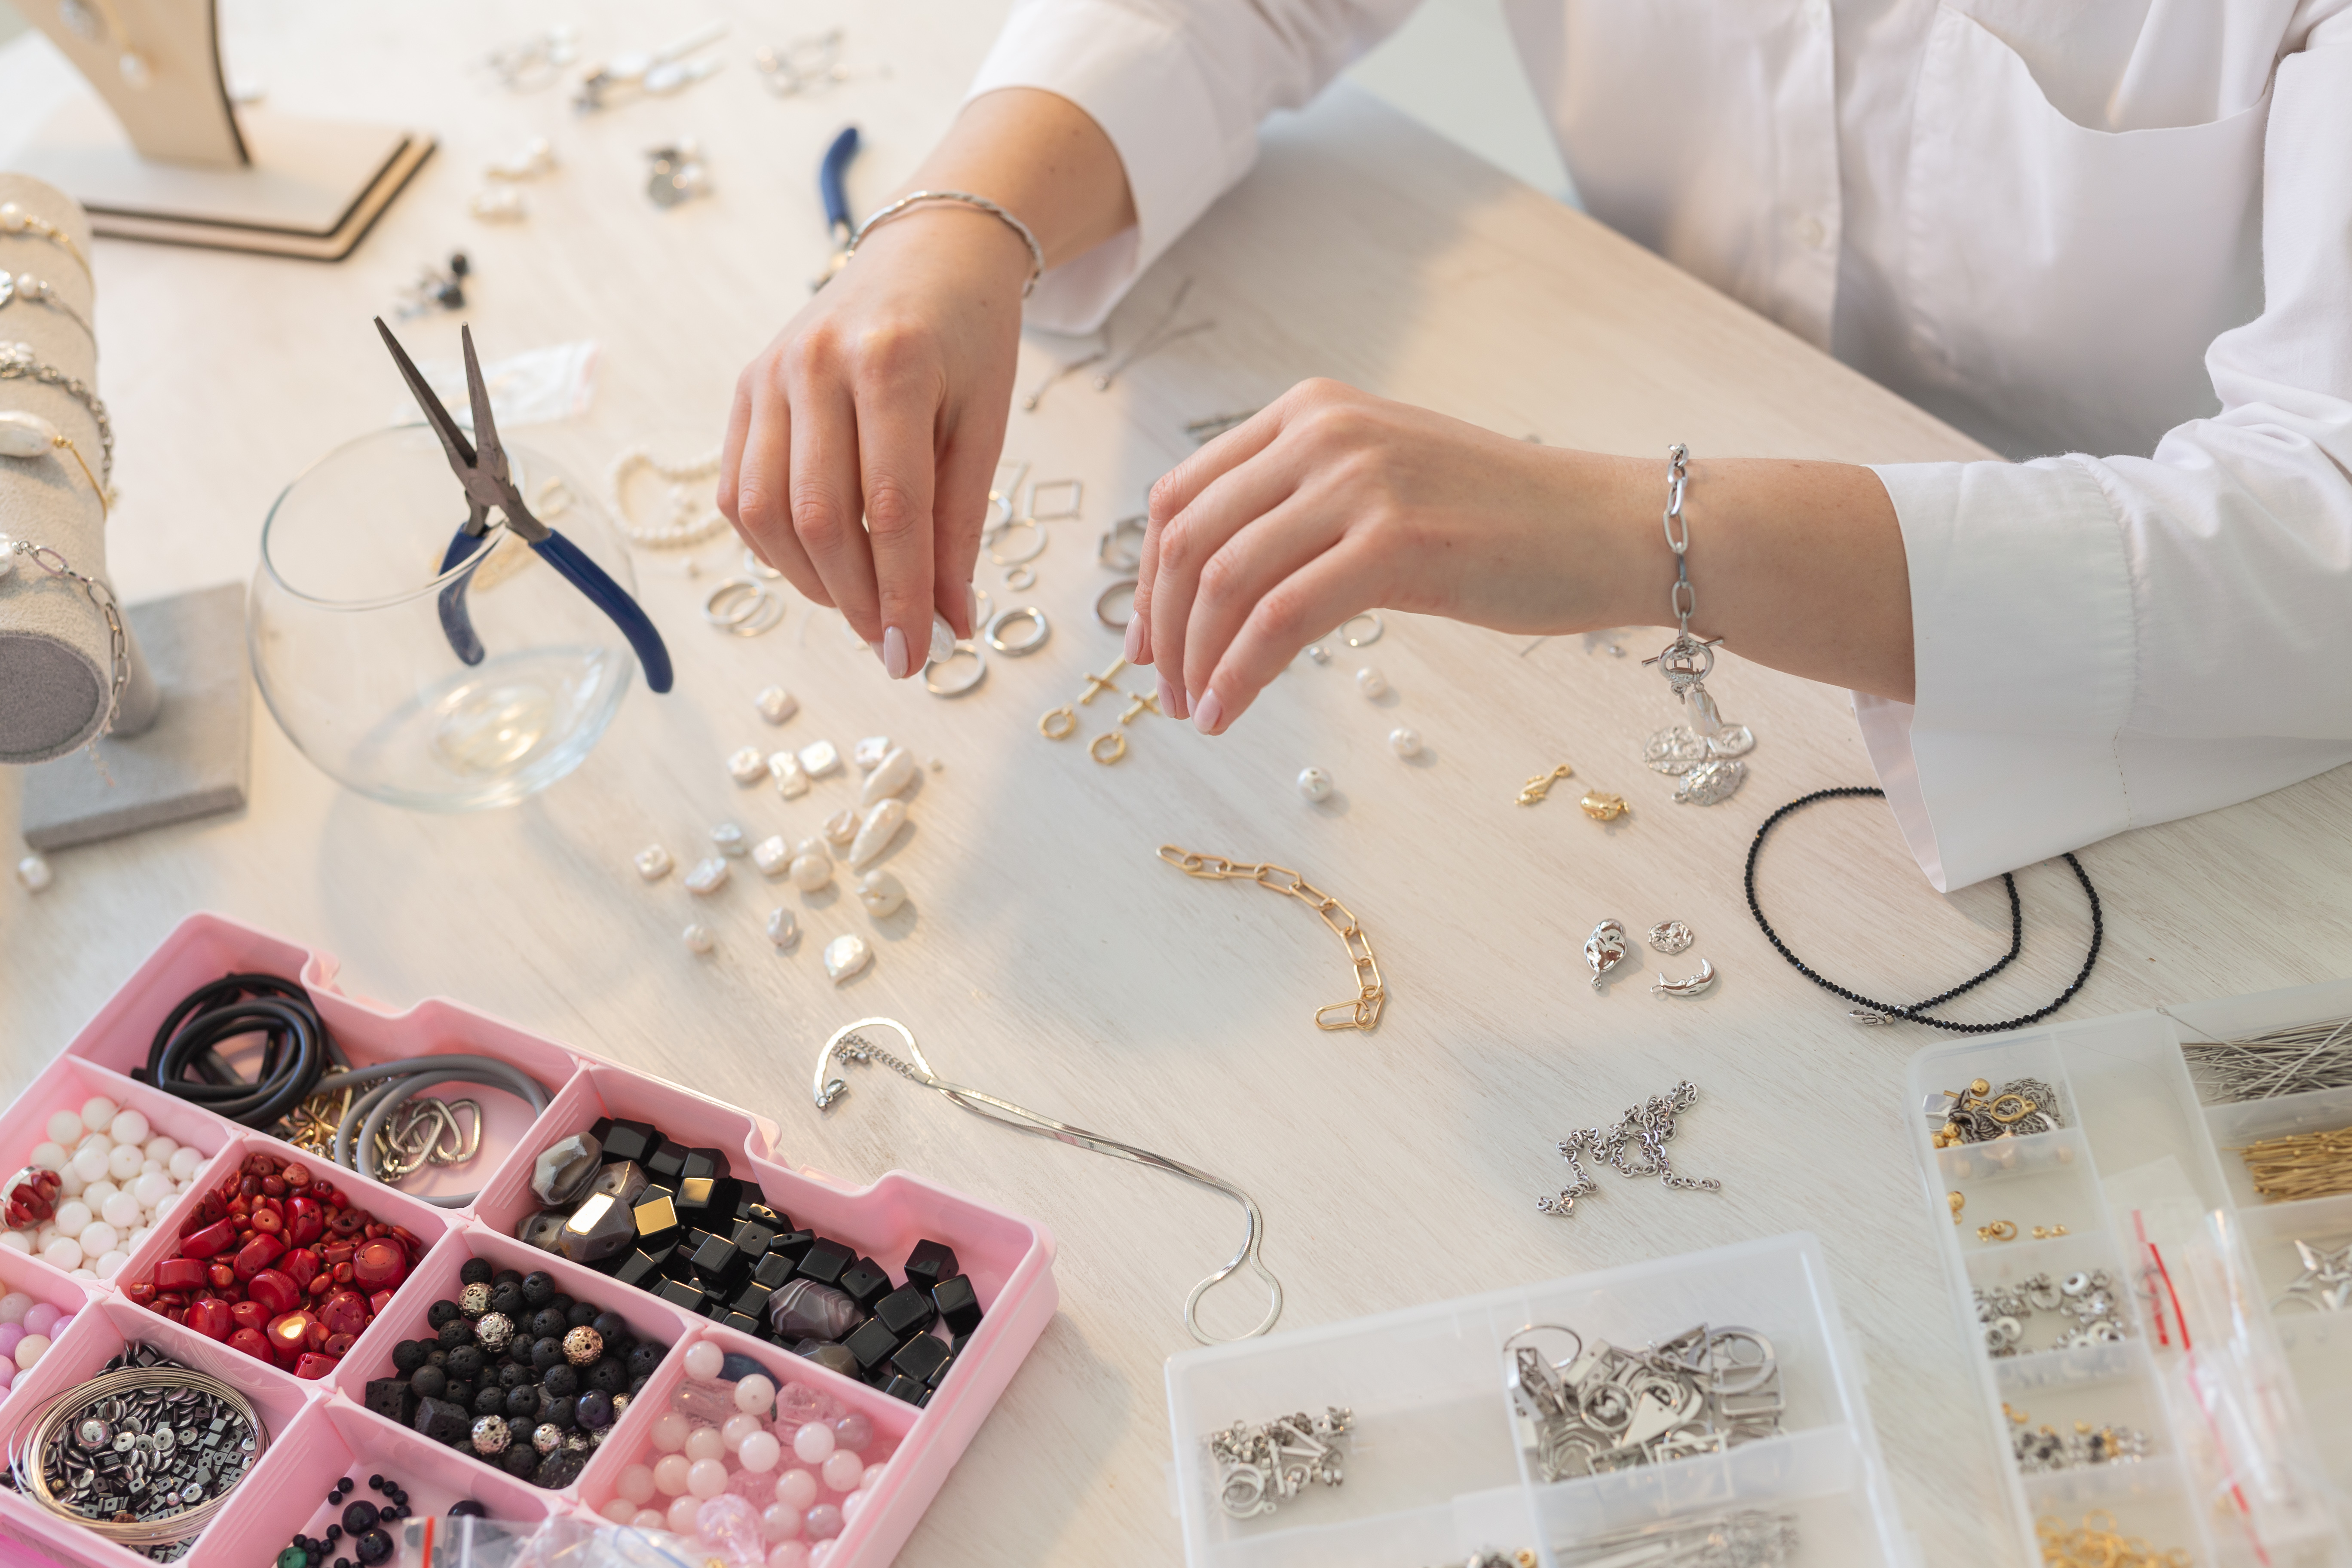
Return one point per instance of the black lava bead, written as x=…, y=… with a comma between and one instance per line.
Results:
x=579, y=1315
x=489, y=1400
x=548, y=1323
x=375, y=1547
x=520, y=1459
x=467, y=1507
x=466, y=1362
x=458, y=1391
x=613, y=1327
x=563, y=1415
x=547, y=1352
x=610, y=1375
x=513, y=1375
x=429, y=1382
x=520, y=1403
x=644, y=1358
x=455, y=1332
x=408, y=1357
x=476, y=1271
x=508, y=1299
x=537, y=1288
x=562, y=1381
x=360, y=1516
x=437, y=1356
x=507, y=1277
x=441, y=1312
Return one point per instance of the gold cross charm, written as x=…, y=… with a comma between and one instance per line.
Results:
x=1098, y=684
x=1138, y=703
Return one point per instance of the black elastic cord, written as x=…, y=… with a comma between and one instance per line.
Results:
x=1917, y=1011
x=296, y=1050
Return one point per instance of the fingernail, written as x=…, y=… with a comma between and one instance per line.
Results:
x=1135, y=640
x=972, y=608
x=1171, y=701
x=1210, y=713
x=894, y=652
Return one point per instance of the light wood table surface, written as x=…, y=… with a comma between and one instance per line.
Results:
x=1046, y=954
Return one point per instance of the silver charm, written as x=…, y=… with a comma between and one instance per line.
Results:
x=1670, y=937
x=1260, y=1467
x=2326, y=1282
x=1711, y=782
x=1604, y=949
x=1693, y=986
x=1675, y=750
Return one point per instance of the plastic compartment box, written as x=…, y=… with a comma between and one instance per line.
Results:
x=319, y=1430
x=2146, y=1180
x=1434, y=1469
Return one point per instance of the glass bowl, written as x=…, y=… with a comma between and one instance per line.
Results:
x=346, y=633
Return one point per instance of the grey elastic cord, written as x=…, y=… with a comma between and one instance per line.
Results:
x=396, y=1081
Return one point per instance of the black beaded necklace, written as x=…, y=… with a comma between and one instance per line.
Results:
x=1870, y=1012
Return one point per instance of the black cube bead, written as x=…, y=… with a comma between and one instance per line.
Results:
x=657, y=1217
x=823, y=1262
x=792, y=1243
x=752, y=1239
x=864, y=1283
x=906, y=1311
x=643, y=1268
x=682, y=1293
x=601, y=1131
x=873, y=1345
x=958, y=1303
x=391, y=1398
x=771, y=1271
x=629, y=1140
x=753, y=1301
x=705, y=1163
x=752, y=1204
x=931, y=1262
x=717, y=1265
x=922, y=1358
x=907, y=1389
x=446, y=1423
x=666, y=1164
x=745, y=1323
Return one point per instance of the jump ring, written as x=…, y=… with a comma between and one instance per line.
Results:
x=742, y=598
x=964, y=649
x=759, y=568
x=1002, y=529
x=1348, y=635
x=1020, y=578
x=1068, y=718
x=1113, y=553
x=1118, y=747
x=1102, y=601
x=1030, y=644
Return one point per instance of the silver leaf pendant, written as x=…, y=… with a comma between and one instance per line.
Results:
x=1604, y=949
x=1711, y=782
x=1690, y=987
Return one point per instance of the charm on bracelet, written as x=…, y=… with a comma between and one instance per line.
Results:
x=1703, y=754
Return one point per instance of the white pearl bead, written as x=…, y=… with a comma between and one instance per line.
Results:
x=1405, y=743
x=653, y=862
x=783, y=929
x=882, y=894
x=1371, y=682
x=24, y=434
x=877, y=832
x=1315, y=783
x=697, y=938
x=776, y=704
x=943, y=638
x=727, y=839
x=841, y=826
x=772, y=855
x=747, y=766
x=786, y=768
x=819, y=758
x=34, y=873
x=810, y=872
x=707, y=876
x=844, y=956
x=869, y=752
x=891, y=776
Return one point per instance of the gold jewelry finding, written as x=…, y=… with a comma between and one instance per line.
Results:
x=2048, y=1232
x=1098, y=684
x=1603, y=807
x=1535, y=788
x=2301, y=1164
x=1957, y=1202
x=1069, y=724
x=1998, y=1230
x=1138, y=703
x=1118, y=747
x=1364, y=1012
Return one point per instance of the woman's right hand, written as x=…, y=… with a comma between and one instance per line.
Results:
x=863, y=438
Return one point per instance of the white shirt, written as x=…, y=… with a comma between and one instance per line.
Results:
x=2117, y=229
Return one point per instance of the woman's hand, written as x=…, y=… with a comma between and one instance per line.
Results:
x=863, y=438
x=1330, y=501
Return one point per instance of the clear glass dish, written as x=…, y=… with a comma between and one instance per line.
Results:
x=343, y=625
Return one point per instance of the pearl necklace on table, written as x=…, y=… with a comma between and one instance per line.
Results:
x=691, y=520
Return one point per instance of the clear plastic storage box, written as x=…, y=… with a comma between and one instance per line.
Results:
x=2244, y=1396
x=1434, y=1465
x=319, y=1430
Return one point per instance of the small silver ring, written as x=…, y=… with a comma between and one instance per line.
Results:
x=1021, y=579
x=1102, y=603
x=1002, y=529
x=767, y=618
x=1004, y=505
x=1030, y=644
x=757, y=567
x=1111, y=552
x=965, y=648
x=743, y=597
x=1352, y=639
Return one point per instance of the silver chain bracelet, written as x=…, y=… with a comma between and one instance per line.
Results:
x=16, y=362
x=99, y=594
x=913, y=199
x=1703, y=757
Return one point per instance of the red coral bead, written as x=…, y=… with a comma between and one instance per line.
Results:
x=380, y=1302
x=211, y=1319
x=248, y=1315
x=380, y=1264
x=290, y=1336
x=257, y=1255
x=220, y=1276
x=179, y=1273
x=313, y=1364
x=252, y=1341
x=300, y=1265
x=276, y=1291
x=344, y=1312
x=295, y=1174
x=339, y=1345
x=211, y=1240
x=268, y=1220
x=141, y=1295
x=305, y=1222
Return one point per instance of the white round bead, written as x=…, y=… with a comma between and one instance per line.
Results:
x=160, y=1148
x=50, y=1156
x=98, y=1238
x=72, y=1217
x=783, y=929
x=810, y=872
x=185, y=1163
x=90, y=1164
x=65, y=1127
x=65, y=1252
x=697, y=938
x=98, y=1113
x=1315, y=783
x=123, y=1211
x=124, y=1162
x=1371, y=682
x=129, y=1127
x=151, y=1189
x=1405, y=743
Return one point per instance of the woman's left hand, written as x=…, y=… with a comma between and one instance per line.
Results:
x=1330, y=501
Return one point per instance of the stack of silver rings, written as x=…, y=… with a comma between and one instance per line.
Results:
x=1603, y=1408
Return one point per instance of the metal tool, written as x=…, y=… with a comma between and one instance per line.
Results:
x=832, y=184
x=481, y=468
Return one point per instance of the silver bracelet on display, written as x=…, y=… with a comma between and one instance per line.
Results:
x=35, y=290
x=913, y=199
x=17, y=361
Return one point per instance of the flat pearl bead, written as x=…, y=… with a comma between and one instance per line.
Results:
x=810, y=872
x=1405, y=743
x=1315, y=783
x=783, y=929
x=882, y=894
x=772, y=856
x=844, y=956
x=819, y=758
x=697, y=938
x=776, y=704
x=841, y=826
x=707, y=876
x=943, y=638
x=869, y=752
x=786, y=768
x=24, y=435
x=728, y=839
x=747, y=766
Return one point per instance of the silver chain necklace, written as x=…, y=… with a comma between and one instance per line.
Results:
x=1649, y=1128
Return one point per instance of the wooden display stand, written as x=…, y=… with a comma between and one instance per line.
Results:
x=175, y=162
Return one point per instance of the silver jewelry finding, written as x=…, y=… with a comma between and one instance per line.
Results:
x=33, y=290
x=1743, y=1537
x=1711, y=782
x=991, y=538
x=1693, y=986
x=16, y=362
x=1104, y=600
x=907, y=203
x=1021, y=579
x=1702, y=754
x=1116, y=551
x=1366, y=638
x=101, y=596
x=1649, y=1127
x=1604, y=949
x=755, y=567
x=1671, y=937
x=850, y=1044
x=1039, y=631
x=952, y=686
x=2326, y=1283
x=1260, y=1467
x=743, y=608
x=1063, y=510
x=1605, y=1409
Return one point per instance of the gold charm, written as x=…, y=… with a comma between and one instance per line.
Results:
x=1118, y=747
x=1059, y=723
x=1998, y=1230
x=2048, y=1232
x=1535, y=788
x=1603, y=807
x=1957, y=1202
x=1137, y=703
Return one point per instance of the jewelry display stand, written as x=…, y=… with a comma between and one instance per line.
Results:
x=175, y=162
x=180, y=745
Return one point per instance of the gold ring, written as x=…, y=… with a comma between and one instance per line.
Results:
x=1118, y=747
x=1069, y=724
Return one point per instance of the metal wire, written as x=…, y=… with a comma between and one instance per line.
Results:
x=2293, y=1060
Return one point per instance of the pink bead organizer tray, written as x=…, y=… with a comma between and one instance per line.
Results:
x=320, y=1430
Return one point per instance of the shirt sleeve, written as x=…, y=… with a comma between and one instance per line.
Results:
x=2105, y=642
x=1179, y=87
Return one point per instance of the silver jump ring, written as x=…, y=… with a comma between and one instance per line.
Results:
x=759, y=568
x=967, y=649
x=1115, y=553
x=1040, y=631
x=1103, y=602
x=983, y=605
x=734, y=602
x=1348, y=635
x=1021, y=579
x=1002, y=529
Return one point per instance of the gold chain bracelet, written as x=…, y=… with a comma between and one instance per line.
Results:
x=1364, y=1012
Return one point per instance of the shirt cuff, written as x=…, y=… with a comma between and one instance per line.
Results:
x=1139, y=80
x=2025, y=645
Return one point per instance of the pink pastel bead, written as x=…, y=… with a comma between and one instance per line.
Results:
x=820, y=1554
x=854, y=1430
x=735, y=1428
x=852, y=1506
x=65, y=1321
x=669, y=1474
x=42, y=1318
x=761, y=1453
x=796, y=1488
x=9, y=1334
x=812, y=1442
x=843, y=1471
x=681, y=1514
x=651, y=1519
x=823, y=1522
x=620, y=1511
x=7, y=1372
x=791, y=1554
x=670, y=1429
x=636, y=1484
x=706, y=1479
x=730, y=1527
x=779, y=1522
x=705, y=1443
x=799, y=1403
